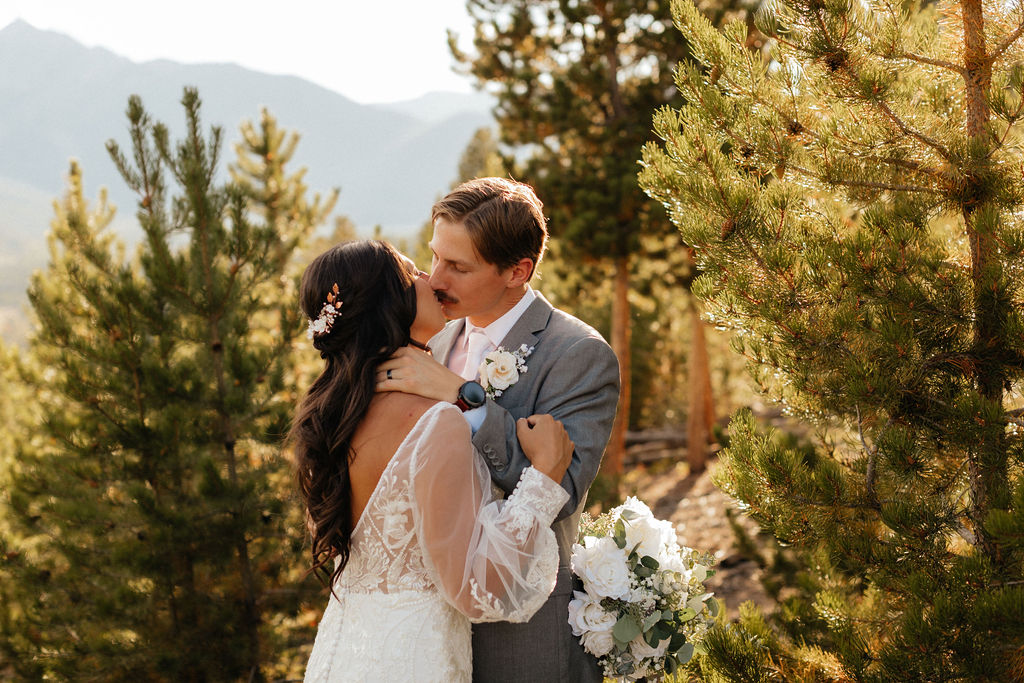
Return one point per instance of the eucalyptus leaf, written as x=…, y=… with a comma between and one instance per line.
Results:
x=685, y=653
x=686, y=614
x=650, y=620
x=627, y=515
x=626, y=628
x=649, y=561
x=642, y=571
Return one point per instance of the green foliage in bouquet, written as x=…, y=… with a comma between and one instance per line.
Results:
x=855, y=197
x=155, y=536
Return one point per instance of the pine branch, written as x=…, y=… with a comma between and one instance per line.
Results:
x=869, y=480
x=867, y=183
x=921, y=59
x=931, y=142
x=1005, y=44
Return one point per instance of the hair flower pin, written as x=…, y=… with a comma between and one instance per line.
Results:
x=331, y=310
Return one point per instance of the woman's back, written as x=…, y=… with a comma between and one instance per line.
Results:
x=388, y=421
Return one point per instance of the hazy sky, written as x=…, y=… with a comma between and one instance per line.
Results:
x=368, y=50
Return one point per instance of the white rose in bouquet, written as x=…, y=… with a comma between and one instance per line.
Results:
x=602, y=566
x=650, y=536
x=637, y=507
x=598, y=643
x=586, y=614
x=499, y=369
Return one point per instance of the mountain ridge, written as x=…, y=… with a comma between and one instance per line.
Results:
x=60, y=99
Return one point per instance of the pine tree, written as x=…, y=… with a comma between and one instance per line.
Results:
x=855, y=204
x=159, y=511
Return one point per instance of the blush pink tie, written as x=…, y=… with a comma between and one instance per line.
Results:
x=478, y=342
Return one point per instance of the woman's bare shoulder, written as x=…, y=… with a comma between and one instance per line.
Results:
x=404, y=409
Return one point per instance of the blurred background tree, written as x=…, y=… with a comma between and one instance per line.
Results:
x=156, y=533
x=855, y=203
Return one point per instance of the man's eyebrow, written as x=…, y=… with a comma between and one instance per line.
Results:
x=450, y=261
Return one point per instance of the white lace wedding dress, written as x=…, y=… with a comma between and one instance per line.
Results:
x=432, y=551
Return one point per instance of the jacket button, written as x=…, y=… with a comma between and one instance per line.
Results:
x=488, y=451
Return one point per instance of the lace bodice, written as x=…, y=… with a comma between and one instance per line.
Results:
x=432, y=550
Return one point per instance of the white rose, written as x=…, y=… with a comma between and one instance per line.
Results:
x=501, y=372
x=602, y=566
x=641, y=650
x=586, y=614
x=598, y=643
x=671, y=562
x=636, y=506
x=576, y=605
x=649, y=536
x=596, y=618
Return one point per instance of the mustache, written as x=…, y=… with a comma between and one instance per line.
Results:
x=444, y=298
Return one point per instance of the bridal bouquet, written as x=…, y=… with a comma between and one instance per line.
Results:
x=643, y=608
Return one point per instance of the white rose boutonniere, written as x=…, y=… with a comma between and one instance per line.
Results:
x=500, y=369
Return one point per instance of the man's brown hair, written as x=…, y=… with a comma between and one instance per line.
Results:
x=504, y=219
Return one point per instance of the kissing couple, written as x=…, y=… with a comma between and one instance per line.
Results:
x=444, y=467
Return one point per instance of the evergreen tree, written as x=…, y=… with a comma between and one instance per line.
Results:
x=855, y=201
x=159, y=512
x=577, y=83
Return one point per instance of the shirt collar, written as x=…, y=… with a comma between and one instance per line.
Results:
x=500, y=328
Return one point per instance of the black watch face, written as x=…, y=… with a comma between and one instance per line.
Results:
x=473, y=394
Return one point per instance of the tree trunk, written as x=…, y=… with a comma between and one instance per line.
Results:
x=621, y=333
x=987, y=466
x=701, y=412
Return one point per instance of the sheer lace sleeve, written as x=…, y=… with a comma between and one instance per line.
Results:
x=492, y=559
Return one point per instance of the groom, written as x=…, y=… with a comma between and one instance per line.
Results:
x=489, y=236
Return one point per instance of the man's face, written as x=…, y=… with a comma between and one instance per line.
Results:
x=465, y=284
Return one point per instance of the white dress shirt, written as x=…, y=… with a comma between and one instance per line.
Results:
x=476, y=342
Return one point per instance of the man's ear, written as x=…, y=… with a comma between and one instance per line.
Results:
x=520, y=273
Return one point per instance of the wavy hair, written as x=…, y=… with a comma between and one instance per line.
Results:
x=379, y=306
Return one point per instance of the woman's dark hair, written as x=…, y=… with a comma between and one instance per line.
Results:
x=378, y=296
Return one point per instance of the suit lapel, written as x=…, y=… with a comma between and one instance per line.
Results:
x=534, y=319
x=441, y=344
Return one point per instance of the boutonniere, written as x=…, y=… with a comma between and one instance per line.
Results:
x=500, y=369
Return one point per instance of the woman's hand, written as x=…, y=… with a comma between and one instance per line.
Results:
x=546, y=444
x=415, y=372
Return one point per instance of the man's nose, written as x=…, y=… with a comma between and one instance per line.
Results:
x=435, y=280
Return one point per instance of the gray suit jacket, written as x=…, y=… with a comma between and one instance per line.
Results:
x=573, y=375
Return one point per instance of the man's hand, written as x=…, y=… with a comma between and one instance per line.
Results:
x=546, y=444
x=415, y=372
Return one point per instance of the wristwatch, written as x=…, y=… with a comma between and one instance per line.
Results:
x=471, y=395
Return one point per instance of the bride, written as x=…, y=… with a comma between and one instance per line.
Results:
x=400, y=507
